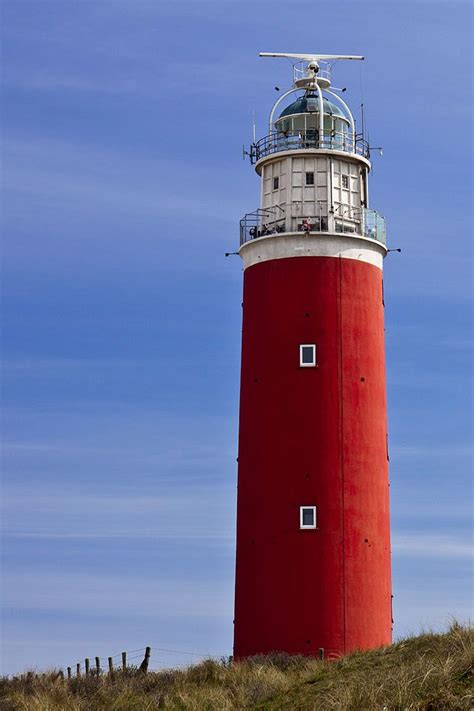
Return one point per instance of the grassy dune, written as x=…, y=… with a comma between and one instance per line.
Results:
x=432, y=672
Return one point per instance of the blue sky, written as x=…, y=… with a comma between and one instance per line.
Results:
x=123, y=127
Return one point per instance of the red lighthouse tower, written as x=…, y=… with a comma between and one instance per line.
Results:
x=313, y=538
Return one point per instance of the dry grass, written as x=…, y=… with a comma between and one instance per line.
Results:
x=432, y=672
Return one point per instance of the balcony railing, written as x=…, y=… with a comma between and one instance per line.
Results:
x=375, y=226
x=308, y=139
x=359, y=223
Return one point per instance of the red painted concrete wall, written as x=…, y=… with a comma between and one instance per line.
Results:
x=312, y=436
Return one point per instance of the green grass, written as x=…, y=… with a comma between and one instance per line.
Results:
x=432, y=672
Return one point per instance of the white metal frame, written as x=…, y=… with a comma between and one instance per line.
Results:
x=349, y=116
x=308, y=365
x=277, y=103
x=306, y=526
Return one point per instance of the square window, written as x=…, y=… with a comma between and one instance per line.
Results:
x=276, y=183
x=307, y=516
x=345, y=181
x=308, y=355
x=309, y=178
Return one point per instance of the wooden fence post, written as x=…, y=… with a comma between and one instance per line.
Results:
x=111, y=666
x=97, y=666
x=69, y=673
x=78, y=669
x=146, y=660
x=87, y=665
x=124, y=661
x=321, y=652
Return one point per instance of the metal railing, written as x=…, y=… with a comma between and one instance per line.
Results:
x=361, y=222
x=308, y=139
x=262, y=223
x=375, y=226
x=300, y=71
x=345, y=220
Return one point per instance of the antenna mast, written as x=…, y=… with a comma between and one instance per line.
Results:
x=311, y=75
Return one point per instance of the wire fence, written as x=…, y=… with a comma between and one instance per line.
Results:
x=120, y=661
x=128, y=660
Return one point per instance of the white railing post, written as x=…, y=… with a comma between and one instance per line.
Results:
x=321, y=116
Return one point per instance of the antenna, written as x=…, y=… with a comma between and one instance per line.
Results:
x=312, y=75
x=362, y=112
x=309, y=57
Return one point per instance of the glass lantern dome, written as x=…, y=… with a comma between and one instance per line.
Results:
x=301, y=118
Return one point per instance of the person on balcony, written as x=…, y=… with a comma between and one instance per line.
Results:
x=307, y=226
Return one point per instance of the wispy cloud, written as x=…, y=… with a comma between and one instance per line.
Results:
x=163, y=512
x=450, y=451
x=40, y=364
x=126, y=54
x=441, y=508
x=81, y=175
x=143, y=77
x=424, y=545
x=116, y=594
x=155, y=448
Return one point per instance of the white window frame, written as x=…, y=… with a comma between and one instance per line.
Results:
x=308, y=365
x=303, y=526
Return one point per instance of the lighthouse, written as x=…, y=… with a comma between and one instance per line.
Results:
x=313, y=531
